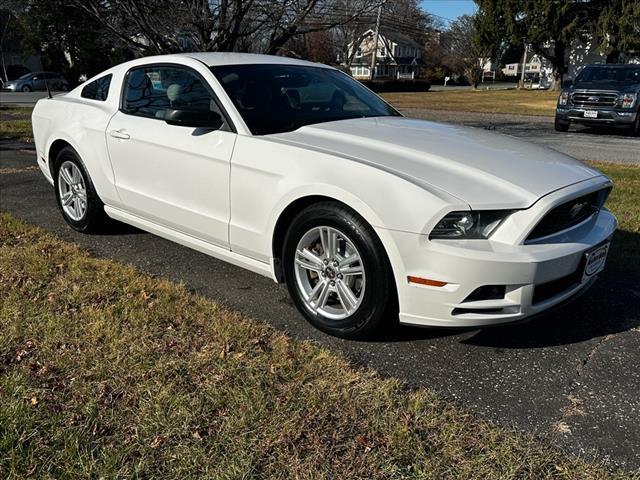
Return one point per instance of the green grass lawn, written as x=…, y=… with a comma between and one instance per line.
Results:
x=624, y=202
x=524, y=102
x=106, y=372
x=15, y=124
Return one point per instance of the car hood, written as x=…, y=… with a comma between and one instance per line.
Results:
x=607, y=86
x=484, y=169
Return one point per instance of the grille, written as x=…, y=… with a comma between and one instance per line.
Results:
x=569, y=214
x=548, y=290
x=594, y=99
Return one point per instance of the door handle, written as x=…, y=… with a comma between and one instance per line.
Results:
x=119, y=134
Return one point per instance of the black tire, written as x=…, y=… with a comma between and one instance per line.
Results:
x=635, y=128
x=26, y=88
x=94, y=218
x=561, y=126
x=379, y=297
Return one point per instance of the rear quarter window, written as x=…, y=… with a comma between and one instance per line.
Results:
x=97, y=89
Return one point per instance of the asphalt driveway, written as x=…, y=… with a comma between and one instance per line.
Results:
x=573, y=375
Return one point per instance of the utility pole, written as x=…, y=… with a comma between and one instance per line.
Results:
x=524, y=64
x=376, y=38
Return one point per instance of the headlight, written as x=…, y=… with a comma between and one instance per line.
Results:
x=564, y=98
x=628, y=99
x=469, y=225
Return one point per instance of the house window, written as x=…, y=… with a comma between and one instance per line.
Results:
x=383, y=52
x=359, y=52
x=362, y=71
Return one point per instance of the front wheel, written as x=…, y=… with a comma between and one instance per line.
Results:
x=337, y=272
x=26, y=88
x=76, y=196
x=561, y=126
x=635, y=128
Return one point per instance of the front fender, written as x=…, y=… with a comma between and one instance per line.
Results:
x=267, y=177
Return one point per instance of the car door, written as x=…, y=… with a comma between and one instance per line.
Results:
x=37, y=83
x=175, y=176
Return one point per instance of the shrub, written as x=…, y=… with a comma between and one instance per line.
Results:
x=380, y=86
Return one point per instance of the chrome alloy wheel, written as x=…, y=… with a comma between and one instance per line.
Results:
x=329, y=273
x=72, y=190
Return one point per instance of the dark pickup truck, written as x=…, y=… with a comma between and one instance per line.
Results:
x=601, y=95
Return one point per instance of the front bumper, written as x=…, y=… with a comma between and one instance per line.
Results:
x=468, y=265
x=605, y=116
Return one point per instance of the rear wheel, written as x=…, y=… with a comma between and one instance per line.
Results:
x=77, y=199
x=561, y=126
x=337, y=271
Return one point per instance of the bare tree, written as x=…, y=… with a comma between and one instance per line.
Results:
x=468, y=53
x=9, y=29
x=157, y=26
x=405, y=17
x=350, y=34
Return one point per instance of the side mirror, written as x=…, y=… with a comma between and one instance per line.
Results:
x=567, y=83
x=184, y=117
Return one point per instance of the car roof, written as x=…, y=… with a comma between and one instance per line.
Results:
x=213, y=59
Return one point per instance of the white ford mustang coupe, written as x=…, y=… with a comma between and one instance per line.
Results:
x=296, y=171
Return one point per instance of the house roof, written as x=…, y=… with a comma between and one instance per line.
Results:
x=400, y=38
x=395, y=37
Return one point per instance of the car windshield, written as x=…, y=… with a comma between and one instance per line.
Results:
x=282, y=98
x=25, y=76
x=622, y=75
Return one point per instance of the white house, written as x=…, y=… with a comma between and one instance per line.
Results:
x=535, y=64
x=397, y=56
x=577, y=57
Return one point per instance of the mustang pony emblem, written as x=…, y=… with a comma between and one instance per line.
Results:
x=577, y=209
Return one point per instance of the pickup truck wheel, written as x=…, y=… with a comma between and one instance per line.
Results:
x=561, y=126
x=635, y=128
x=337, y=271
x=76, y=196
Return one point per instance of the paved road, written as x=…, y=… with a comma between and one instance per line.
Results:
x=573, y=375
x=23, y=99
x=482, y=86
x=610, y=145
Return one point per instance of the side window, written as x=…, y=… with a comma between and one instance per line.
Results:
x=150, y=91
x=98, y=89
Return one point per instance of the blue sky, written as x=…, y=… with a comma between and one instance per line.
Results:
x=449, y=8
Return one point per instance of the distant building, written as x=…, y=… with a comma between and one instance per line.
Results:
x=577, y=57
x=536, y=64
x=398, y=56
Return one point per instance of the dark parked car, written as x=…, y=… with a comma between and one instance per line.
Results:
x=601, y=95
x=37, y=81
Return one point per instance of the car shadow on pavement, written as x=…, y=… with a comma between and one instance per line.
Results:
x=114, y=228
x=602, y=130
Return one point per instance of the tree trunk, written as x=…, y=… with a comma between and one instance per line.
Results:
x=559, y=67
